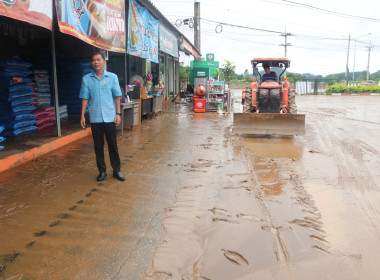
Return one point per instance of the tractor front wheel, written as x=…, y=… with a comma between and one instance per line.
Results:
x=292, y=102
x=247, y=106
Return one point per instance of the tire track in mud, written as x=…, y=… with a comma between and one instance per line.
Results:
x=281, y=252
x=310, y=221
x=353, y=173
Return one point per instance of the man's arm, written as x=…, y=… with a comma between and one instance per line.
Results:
x=117, y=105
x=82, y=118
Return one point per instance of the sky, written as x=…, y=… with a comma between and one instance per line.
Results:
x=320, y=31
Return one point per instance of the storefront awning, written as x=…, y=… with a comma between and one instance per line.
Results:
x=188, y=48
x=37, y=12
x=97, y=22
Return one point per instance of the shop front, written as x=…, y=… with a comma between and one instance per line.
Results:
x=43, y=57
x=169, y=60
x=46, y=48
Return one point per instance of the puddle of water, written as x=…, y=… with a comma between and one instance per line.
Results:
x=274, y=147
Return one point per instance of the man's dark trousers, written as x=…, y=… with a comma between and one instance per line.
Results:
x=98, y=132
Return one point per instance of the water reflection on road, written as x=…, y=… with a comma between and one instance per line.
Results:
x=202, y=203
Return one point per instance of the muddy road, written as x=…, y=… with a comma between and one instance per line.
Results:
x=201, y=203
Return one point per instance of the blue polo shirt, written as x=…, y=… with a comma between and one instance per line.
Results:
x=100, y=95
x=271, y=76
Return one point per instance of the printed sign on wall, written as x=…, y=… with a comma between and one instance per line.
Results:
x=100, y=23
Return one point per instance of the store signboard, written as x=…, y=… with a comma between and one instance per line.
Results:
x=168, y=41
x=142, y=33
x=100, y=23
x=38, y=12
x=187, y=46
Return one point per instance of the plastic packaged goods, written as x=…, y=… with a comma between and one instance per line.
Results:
x=45, y=126
x=20, y=87
x=24, y=130
x=19, y=109
x=25, y=117
x=26, y=123
x=16, y=62
x=42, y=121
x=22, y=101
x=15, y=95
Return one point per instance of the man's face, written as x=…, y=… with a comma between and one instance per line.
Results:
x=98, y=62
x=267, y=70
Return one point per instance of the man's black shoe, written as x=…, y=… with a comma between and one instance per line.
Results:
x=119, y=176
x=102, y=176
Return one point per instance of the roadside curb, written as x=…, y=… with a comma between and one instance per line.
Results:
x=355, y=94
x=22, y=157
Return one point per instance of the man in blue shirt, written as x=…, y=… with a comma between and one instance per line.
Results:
x=268, y=75
x=100, y=90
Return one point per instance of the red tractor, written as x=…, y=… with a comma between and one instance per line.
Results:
x=268, y=106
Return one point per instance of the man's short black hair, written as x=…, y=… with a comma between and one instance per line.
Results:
x=266, y=65
x=99, y=53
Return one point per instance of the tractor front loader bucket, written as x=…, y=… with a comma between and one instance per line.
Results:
x=269, y=124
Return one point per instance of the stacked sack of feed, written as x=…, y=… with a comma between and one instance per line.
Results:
x=1, y=137
x=70, y=73
x=45, y=117
x=41, y=77
x=6, y=119
x=63, y=113
x=22, y=97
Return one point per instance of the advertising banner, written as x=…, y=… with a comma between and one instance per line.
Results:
x=168, y=41
x=38, y=12
x=100, y=23
x=142, y=33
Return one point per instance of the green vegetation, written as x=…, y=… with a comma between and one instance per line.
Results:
x=341, y=88
x=184, y=71
x=228, y=71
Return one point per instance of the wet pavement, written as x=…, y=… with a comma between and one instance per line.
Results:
x=202, y=203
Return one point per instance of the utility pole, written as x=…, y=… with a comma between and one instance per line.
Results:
x=197, y=25
x=353, y=70
x=370, y=47
x=348, y=54
x=286, y=45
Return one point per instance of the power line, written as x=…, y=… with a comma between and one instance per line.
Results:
x=329, y=11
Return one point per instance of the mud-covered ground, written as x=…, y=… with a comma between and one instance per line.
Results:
x=202, y=203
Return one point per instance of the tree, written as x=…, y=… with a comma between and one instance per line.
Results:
x=228, y=71
x=216, y=75
x=184, y=71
